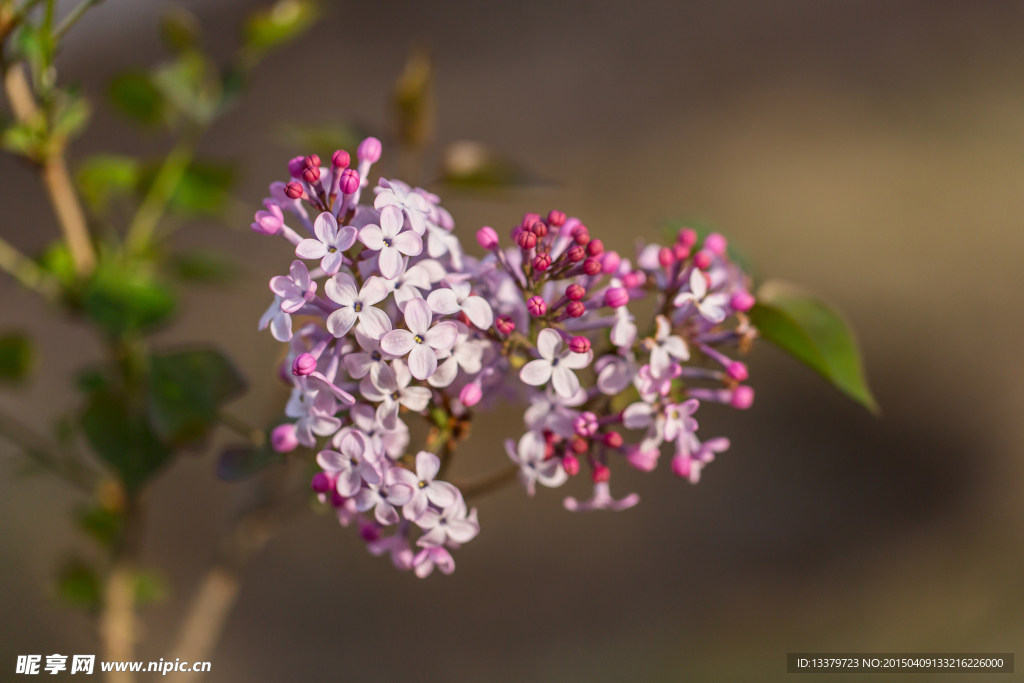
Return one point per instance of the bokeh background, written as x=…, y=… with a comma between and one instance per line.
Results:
x=873, y=151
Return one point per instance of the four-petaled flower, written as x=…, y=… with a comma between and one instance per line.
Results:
x=420, y=341
x=451, y=525
x=357, y=305
x=351, y=466
x=391, y=241
x=601, y=500
x=665, y=346
x=529, y=454
x=555, y=365
x=711, y=306
x=413, y=204
x=458, y=298
x=295, y=289
x=391, y=388
x=384, y=497
x=330, y=244
x=425, y=489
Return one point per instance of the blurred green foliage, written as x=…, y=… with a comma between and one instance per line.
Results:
x=15, y=356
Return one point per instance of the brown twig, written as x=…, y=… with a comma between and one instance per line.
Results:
x=488, y=483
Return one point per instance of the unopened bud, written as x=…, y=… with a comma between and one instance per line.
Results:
x=716, y=244
x=303, y=364
x=536, y=306
x=321, y=482
x=471, y=394
x=541, y=262
x=702, y=259
x=505, y=325
x=369, y=150
x=579, y=444
x=575, y=292
x=539, y=229
x=312, y=161
x=576, y=253
x=579, y=344
x=742, y=397
x=601, y=474
x=581, y=235
x=340, y=159
x=610, y=261
x=737, y=371
x=595, y=248
x=311, y=174
x=556, y=218
x=349, y=181
x=687, y=237
x=487, y=237
x=575, y=309
x=296, y=165
x=293, y=190
x=283, y=438
x=680, y=251
x=613, y=440
x=742, y=301
x=665, y=257
x=526, y=240
x=528, y=220
x=571, y=464
x=616, y=297
x=591, y=266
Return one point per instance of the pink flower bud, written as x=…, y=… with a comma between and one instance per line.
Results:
x=610, y=261
x=665, y=257
x=579, y=344
x=283, y=439
x=742, y=397
x=737, y=370
x=575, y=309
x=303, y=364
x=369, y=150
x=742, y=301
x=296, y=166
x=541, y=262
x=368, y=531
x=576, y=253
x=631, y=280
x=687, y=237
x=321, y=482
x=312, y=161
x=340, y=159
x=539, y=229
x=571, y=464
x=471, y=394
x=528, y=220
x=556, y=218
x=616, y=297
x=585, y=424
x=591, y=266
x=581, y=235
x=575, y=292
x=337, y=500
x=702, y=259
x=716, y=244
x=487, y=237
x=505, y=325
x=311, y=175
x=536, y=306
x=601, y=474
x=595, y=248
x=680, y=251
x=579, y=445
x=681, y=466
x=294, y=190
x=526, y=240
x=613, y=440
x=349, y=181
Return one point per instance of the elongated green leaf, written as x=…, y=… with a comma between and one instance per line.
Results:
x=105, y=176
x=78, y=585
x=120, y=434
x=122, y=299
x=280, y=23
x=812, y=332
x=187, y=388
x=134, y=94
x=15, y=357
x=204, y=266
x=204, y=189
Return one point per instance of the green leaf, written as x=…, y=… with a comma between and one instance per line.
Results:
x=240, y=462
x=78, y=585
x=180, y=30
x=15, y=357
x=280, y=23
x=812, y=332
x=204, y=188
x=57, y=261
x=104, y=176
x=204, y=266
x=101, y=524
x=473, y=166
x=70, y=116
x=134, y=94
x=192, y=85
x=119, y=432
x=149, y=588
x=124, y=299
x=187, y=389
x=27, y=139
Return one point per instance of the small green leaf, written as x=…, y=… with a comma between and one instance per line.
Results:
x=149, y=588
x=280, y=23
x=78, y=585
x=134, y=94
x=57, y=261
x=192, y=85
x=105, y=176
x=240, y=462
x=812, y=332
x=180, y=30
x=187, y=389
x=204, y=266
x=71, y=114
x=120, y=434
x=15, y=357
x=27, y=139
x=204, y=189
x=122, y=299
x=101, y=524
x=474, y=166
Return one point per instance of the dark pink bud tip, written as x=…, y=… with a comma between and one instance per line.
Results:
x=311, y=175
x=571, y=464
x=536, y=306
x=665, y=257
x=613, y=440
x=591, y=266
x=321, y=483
x=340, y=159
x=702, y=259
x=579, y=344
x=303, y=364
x=601, y=474
x=579, y=445
x=575, y=309
x=349, y=181
x=526, y=240
x=738, y=371
x=616, y=297
x=312, y=161
x=681, y=467
x=369, y=531
x=283, y=439
x=541, y=262
x=610, y=261
x=742, y=301
x=295, y=166
x=595, y=248
x=539, y=229
x=687, y=237
x=505, y=325
x=680, y=251
x=742, y=397
x=528, y=220
x=293, y=190
x=576, y=253
x=581, y=235
x=556, y=218
x=337, y=500
x=631, y=280
x=716, y=244
x=575, y=292
x=369, y=150
x=471, y=394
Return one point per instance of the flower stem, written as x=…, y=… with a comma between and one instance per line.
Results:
x=143, y=225
x=489, y=483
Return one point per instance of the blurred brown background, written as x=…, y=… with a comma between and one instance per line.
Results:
x=873, y=151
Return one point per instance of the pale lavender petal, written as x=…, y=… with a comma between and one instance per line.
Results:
x=342, y=289
x=374, y=291
x=396, y=342
x=427, y=467
x=536, y=372
x=565, y=381
x=478, y=311
x=422, y=361
x=373, y=322
x=281, y=327
x=417, y=316
x=443, y=301
x=346, y=238
x=311, y=249
x=443, y=335
x=325, y=227
x=332, y=262
x=415, y=398
x=341, y=321
x=390, y=263
x=409, y=243
x=372, y=237
x=549, y=343
x=358, y=364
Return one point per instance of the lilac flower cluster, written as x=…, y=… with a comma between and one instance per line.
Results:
x=396, y=320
